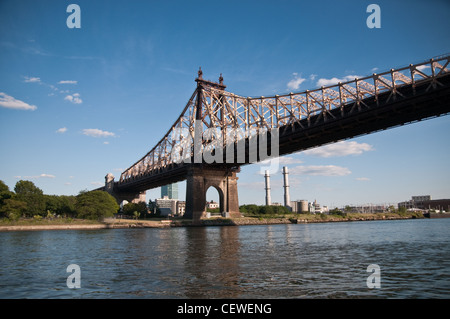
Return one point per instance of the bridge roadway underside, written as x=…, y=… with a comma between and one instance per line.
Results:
x=370, y=115
x=389, y=111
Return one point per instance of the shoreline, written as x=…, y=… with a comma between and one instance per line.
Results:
x=242, y=221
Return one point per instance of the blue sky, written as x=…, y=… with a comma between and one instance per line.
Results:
x=85, y=102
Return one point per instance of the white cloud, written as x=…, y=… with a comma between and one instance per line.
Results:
x=37, y=176
x=422, y=67
x=374, y=69
x=61, y=130
x=68, y=82
x=74, y=98
x=11, y=103
x=285, y=160
x=363, y=179
x=320, y=170
x=94, y=132
x=97, y=183
x=32, y=79
x=332, y=81
x=294, y=84
x=343, y=148
x=46, y=176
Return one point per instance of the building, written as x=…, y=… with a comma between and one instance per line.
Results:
x=442, y=205
x=367, y=209
x=421, y=198
x=299, y=206
x=415, y=202
x=316, y=208
x=426, y=203
x=167, y=206
x=181, y=207
x=212, y=205
x=171, y=191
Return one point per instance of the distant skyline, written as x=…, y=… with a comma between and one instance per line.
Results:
x=76, y=104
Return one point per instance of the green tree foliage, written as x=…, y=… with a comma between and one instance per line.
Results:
x=95, y=205
x=264, y=210
x=60, y=205
x=33, y=196
x=153, y=208
x=338, y=212
x=249, y=209
x=402, y=211
x=130, y=208
x=13, y=209
x=5, y=194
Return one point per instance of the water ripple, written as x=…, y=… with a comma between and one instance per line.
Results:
x=276, y=261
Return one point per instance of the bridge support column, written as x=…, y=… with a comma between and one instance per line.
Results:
x=121, y=196
x=199, y=180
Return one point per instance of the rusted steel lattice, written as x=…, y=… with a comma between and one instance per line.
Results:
x=214, y=115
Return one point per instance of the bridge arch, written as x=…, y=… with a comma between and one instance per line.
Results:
x=200, y=179
x=212, y=187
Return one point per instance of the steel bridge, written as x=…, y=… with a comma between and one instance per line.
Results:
x=218, y=131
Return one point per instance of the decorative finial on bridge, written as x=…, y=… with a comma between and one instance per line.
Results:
x=200, y=73
x=221, y=79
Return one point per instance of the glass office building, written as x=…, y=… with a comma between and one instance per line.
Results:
x=170, y=191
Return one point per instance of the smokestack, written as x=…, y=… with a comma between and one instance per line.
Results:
x=267, y=178
x=287, y=197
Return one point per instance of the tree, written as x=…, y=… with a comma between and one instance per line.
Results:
x=95, y=205
x=5, y=194
x=60, y=205
x=338, y=212
x=249, y=209
x=33, y=196
x=130, y=208
x=13, y=209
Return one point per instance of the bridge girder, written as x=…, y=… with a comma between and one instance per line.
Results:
x=215, y=119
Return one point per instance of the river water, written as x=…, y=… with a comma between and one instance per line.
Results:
x=327, y=260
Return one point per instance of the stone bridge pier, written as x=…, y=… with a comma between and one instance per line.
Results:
x=131, y=197
x=200, y=179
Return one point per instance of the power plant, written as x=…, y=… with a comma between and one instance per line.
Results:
x=267, y=178
x=298, y=206
x=287, y=198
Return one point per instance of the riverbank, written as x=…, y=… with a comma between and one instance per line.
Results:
x=79, y=224
x=112, y=223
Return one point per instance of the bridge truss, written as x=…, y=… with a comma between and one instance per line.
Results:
x=214, y=115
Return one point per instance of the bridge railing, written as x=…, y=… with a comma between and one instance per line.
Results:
x=227, y=118
x=281, y=110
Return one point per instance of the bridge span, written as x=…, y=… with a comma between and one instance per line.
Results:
x=218, y=131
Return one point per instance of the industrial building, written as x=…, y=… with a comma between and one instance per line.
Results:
x=425, y=202
x=298, y=206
